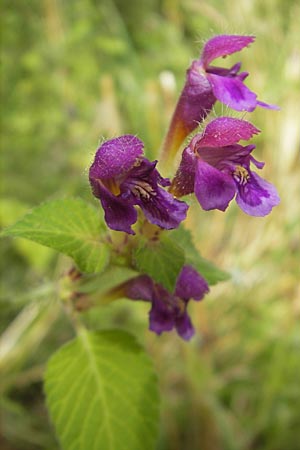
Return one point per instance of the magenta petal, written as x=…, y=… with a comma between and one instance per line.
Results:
x=233, y=93
x=190, y=284
x=213, y=189
x=196, y=100
x=267, y=105
x=116, y=156
x=119, y=215
x=223, y=72
x=257, y=197
x=258, y=164
x=224, y=131
x=226, y=157
x=223, y=45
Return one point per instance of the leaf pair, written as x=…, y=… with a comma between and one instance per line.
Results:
x=75, y=228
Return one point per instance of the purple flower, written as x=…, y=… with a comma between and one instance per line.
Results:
x=121, y=177
x=216, y=167
x=205, y=84
x=169, y=311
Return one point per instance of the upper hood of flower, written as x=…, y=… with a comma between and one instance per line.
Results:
x=116, y=157
x=223, y=45
x=224, y=131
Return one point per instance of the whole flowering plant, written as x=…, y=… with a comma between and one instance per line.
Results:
x=142, y=250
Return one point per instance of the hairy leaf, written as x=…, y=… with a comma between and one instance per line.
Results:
x=70, y=226
x=102, y=393
x=162, y=260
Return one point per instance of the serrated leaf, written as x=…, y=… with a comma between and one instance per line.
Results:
x=70, y=226
x=102, y=393
x=208, y=270
x=161, y=260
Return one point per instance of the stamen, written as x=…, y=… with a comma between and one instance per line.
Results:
x=143, y=189
x=241, y=175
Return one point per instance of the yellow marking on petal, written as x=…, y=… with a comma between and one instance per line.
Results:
x=112, y=186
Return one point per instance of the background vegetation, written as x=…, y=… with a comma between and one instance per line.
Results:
x=76, y=71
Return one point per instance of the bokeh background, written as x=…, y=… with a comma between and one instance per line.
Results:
x=75, y=72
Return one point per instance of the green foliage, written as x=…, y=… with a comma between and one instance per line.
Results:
x=83, y=70
x=70, y=226
x=209, y=271
x=102, y=393
x=106, y=280
x=161, y=259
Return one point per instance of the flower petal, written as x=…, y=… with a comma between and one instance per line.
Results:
x=197, y=98
x=224, y=131
x=267, y=105
x=119, y=214
x=226, y=157
x=190, y=284
x=163, y=209
x=224, y=45
x=184, y=180
x=184, y=326
x=223, y=72
x=140, y=288
x=141, y=187
x=258, y=164
x=162, y=314
x=233, y=93
x=194, y=104
x=257, y=197
x=116, y=157
x=213, y=189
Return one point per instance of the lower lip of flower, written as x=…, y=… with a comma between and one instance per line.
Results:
x=241, y=175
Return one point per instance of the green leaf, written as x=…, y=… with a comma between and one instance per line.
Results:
x=37, y=255
x=162, y=260
x=70, y=226
x=101, y=283
x=102, y=393
x=207, y=269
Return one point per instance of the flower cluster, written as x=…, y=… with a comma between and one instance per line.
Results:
x=205, y=84
x=214, y=165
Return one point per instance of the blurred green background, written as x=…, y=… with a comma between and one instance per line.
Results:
x=74, y=72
